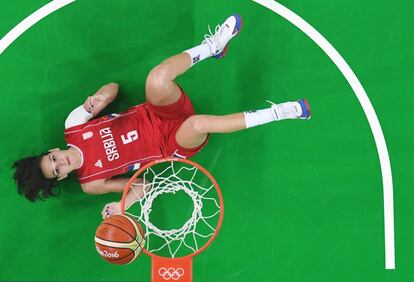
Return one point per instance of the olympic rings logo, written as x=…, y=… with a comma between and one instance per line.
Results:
x=171, y=273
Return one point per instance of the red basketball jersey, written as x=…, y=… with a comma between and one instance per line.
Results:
x=115, y=144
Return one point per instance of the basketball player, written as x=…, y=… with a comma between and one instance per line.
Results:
x=164, y=126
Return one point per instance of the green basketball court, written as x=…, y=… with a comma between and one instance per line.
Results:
x=303, y=199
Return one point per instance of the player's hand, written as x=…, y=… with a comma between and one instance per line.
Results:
x=94, y=104
x=111, y=209
x=103, y=97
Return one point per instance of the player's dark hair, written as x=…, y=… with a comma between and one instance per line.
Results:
x=30, y=180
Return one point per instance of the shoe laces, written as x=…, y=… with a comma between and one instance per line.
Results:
x=212, y=37
x=282, y=109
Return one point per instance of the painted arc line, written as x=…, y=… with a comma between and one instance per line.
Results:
x=31, y=20
x=369, y=113
x=49, y=8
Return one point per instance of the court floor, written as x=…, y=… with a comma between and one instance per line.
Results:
x=303, y=199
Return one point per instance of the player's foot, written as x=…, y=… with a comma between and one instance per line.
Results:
x=292, y=110
x=222, y=35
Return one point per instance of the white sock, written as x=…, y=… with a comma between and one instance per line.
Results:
x=199, y=53
x=259, y=117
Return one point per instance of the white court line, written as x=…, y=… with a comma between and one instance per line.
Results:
x=31, y=20
x=369, y=113
x=49, y=8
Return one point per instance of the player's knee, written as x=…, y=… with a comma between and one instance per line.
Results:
x=158, y=77
x=198, y=124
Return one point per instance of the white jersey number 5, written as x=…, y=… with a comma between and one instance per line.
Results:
x=131, y=136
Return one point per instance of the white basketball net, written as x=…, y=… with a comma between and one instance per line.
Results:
x=198, y=229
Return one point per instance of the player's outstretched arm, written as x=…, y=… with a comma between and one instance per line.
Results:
x=103, y=186
x=93, y=105
x=135, y=193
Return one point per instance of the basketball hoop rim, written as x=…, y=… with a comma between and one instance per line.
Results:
x=206, y=172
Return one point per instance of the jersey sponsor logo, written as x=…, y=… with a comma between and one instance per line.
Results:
x=87, y=135
x=98, y=163
x=109, y=144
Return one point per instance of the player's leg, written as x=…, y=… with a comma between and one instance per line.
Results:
x=195, y=129
x=160, y=88
x=193, y=132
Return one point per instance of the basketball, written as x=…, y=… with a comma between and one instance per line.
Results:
x=119, y=239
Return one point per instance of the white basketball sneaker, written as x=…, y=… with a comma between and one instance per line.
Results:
x=222, y=35
x=292, y=110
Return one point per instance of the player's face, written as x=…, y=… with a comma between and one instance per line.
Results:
x=58, y=163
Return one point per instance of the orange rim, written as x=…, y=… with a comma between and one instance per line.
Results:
x=208, y=174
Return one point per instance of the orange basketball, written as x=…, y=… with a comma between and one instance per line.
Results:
x=119, y=239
